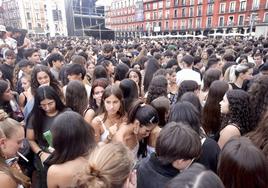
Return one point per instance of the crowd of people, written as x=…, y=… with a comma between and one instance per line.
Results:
x=81, y=112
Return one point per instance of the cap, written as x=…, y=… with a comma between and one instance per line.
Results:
x=3, y=28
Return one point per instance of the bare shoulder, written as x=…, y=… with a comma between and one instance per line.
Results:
x=67, y=169
x=7, y=181
x=54, y=170
x=231, y=129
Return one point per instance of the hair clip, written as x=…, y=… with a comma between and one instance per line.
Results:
x=142, y=105
x=151, y=120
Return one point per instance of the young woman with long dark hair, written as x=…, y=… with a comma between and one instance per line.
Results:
x=237, y=119
x=73, y=140
x=47, y=105
x=111, y=113
x=142, y=119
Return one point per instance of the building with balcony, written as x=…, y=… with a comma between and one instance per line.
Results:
x=39, y=18
x=126, y=18
x=24, y=14
x=187, y=16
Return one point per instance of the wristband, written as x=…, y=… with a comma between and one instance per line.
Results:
x=39, y=152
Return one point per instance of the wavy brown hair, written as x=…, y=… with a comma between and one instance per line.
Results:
x=240, y=112
x=259, y=98
x=259, y=136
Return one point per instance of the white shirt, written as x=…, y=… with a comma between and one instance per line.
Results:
x=187, y=74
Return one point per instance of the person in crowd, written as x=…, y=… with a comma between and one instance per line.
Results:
x=11, y=139
x=172, y=64
x=26, y=94
x=76, y=72
x=239, y=74
x=187, y=73
x=210, y=76
x=193, y=99
x=8, y=102
x=42, y=76
x=32, y=55
x=23, y=67
x=238, y=154
x=120, y=72
x=100, y=72
x=135, y=75
x=258, y=61
x=243, y=59
x=111, y=114
x=176, y=148
x=10, y=41
x=76, y=99
x=109, y=165
x=47, y=106
x=7, y=67
x=90, y=66
x=187, y=113
x=55, y=61
x=130, y=92
x=172, y=85
x=258, y=92
x=162, y=106
x=211, y=115
x=238, y=115
x=110, y=69
x=158, y=87
x=151, y=67
x=98, y=87
x=78, y=59
x=187, y=86
x=142, y=119
x=107, y=54
x=197, y=176
x=259, y=136
x=72, y=140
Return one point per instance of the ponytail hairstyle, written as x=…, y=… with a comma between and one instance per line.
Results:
x=146, y=115
x=8, y=127
x=108, y=167
x=235, y=70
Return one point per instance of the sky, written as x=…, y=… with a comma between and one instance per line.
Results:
x=104, y=2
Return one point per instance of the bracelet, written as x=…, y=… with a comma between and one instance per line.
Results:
x=39, y=152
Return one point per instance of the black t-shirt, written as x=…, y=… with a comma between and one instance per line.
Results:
x=7, y=71
x=151, y=173
x=210, y=154
x=46, y=125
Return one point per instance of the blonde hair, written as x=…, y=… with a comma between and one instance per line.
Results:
x=8, y=127
x=108, y=167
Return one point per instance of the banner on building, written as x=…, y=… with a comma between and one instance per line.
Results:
x=139, y=17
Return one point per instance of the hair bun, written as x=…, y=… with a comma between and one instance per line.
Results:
x=94, y=172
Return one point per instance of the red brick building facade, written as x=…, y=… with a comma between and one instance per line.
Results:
x=132, y=18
